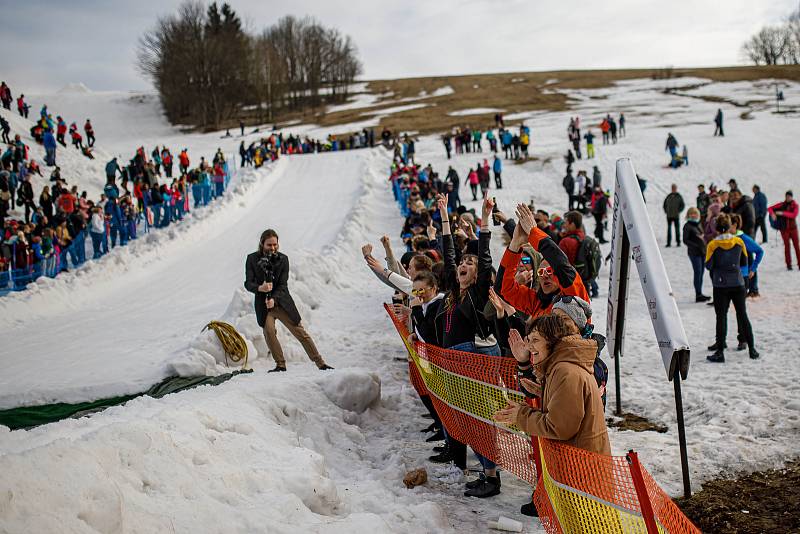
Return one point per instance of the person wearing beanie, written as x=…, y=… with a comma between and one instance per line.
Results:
x=575, y=308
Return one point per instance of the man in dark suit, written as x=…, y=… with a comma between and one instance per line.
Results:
x=267, y=275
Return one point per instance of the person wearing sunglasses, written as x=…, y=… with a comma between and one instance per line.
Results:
x=556, y=275
x=425, y=303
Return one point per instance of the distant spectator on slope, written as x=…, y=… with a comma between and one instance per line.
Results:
x=742, y=205
x=89, y=130
x=673, y=207
x=22, y=107
x=672, y=147
x=497, y=167
x=49, y=142
x=754, y=256
x=703, y=201
x=784, y=217
x=589, y=144
x=5, y=95
x=696, y=249
x=6, y=129
x=605, y=126
x=61, y=131
x=760, y=212
x=718, y=124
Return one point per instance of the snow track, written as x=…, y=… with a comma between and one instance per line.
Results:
x=121, y=324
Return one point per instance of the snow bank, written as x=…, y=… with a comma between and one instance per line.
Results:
x=396, y=109
x=352, y=390
x=474, y=111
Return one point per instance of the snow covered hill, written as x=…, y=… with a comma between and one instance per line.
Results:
x=307, y=451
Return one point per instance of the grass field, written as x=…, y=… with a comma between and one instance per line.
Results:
x=512, y=92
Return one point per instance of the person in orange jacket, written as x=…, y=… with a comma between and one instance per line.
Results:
x=557, y=277
x=183, y=161
x=605, y=126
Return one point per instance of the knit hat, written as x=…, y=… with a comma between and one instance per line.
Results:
x=576, y=308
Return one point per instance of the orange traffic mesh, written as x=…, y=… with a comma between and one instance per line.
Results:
x=578, y=490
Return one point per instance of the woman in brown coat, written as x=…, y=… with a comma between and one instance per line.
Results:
x=572, y=408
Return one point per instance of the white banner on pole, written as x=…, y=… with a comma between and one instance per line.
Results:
x=630, y=214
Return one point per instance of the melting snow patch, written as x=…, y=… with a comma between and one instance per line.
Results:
x=474, y=111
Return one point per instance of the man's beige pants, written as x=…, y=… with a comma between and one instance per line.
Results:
x=271, y=335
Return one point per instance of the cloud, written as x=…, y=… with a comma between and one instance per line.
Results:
x=94, y=41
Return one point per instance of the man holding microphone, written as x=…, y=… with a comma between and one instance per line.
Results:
x=267, y=275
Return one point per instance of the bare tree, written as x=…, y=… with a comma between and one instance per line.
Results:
x=773, y=45
x=207, y=69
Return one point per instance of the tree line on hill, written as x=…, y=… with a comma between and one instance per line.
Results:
x=208, y=69
x=777, y=44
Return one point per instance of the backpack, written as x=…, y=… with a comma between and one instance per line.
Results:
x=589, y=258
x=600, y=367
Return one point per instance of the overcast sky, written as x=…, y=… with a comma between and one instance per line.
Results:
x=47, y=44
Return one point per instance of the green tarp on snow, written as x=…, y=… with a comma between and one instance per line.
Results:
x=30, y=416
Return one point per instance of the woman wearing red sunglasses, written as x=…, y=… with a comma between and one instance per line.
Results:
x=556, y=275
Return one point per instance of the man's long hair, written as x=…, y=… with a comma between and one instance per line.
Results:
x=266, y=234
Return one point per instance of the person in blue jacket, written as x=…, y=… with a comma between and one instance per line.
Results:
x=114, y=214
x=760, y=208
x=506, y=142
x=497, y=167
x=754, y=251
x=49, y=142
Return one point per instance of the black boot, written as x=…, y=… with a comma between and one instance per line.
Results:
x=488, y=487
x=702, y=298
x=324, y=367
x=443, y=457
x=754, y=353
x=437, y=436
x=477, y=482
x=278, y=369
x=717, y=357
x=741, y=346
x=433, y=427
x=716, y=347
x=529, y=509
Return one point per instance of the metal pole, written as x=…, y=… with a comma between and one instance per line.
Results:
x=676, y=380
x=619, y=329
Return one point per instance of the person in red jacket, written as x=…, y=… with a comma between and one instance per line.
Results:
x=573, y=235
x=61, y=131
x=183, y=161
x=22, y=107
x=77, y=139
x=605, y=126
x=89, y=129
x=66, y=202
x=785, y=214
x=557, y=277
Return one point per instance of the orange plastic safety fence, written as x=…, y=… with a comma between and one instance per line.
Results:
x=578, y=490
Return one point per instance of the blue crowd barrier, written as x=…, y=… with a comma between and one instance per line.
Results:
x=17, y=279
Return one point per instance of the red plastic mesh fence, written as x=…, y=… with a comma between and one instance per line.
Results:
x=578, y=490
